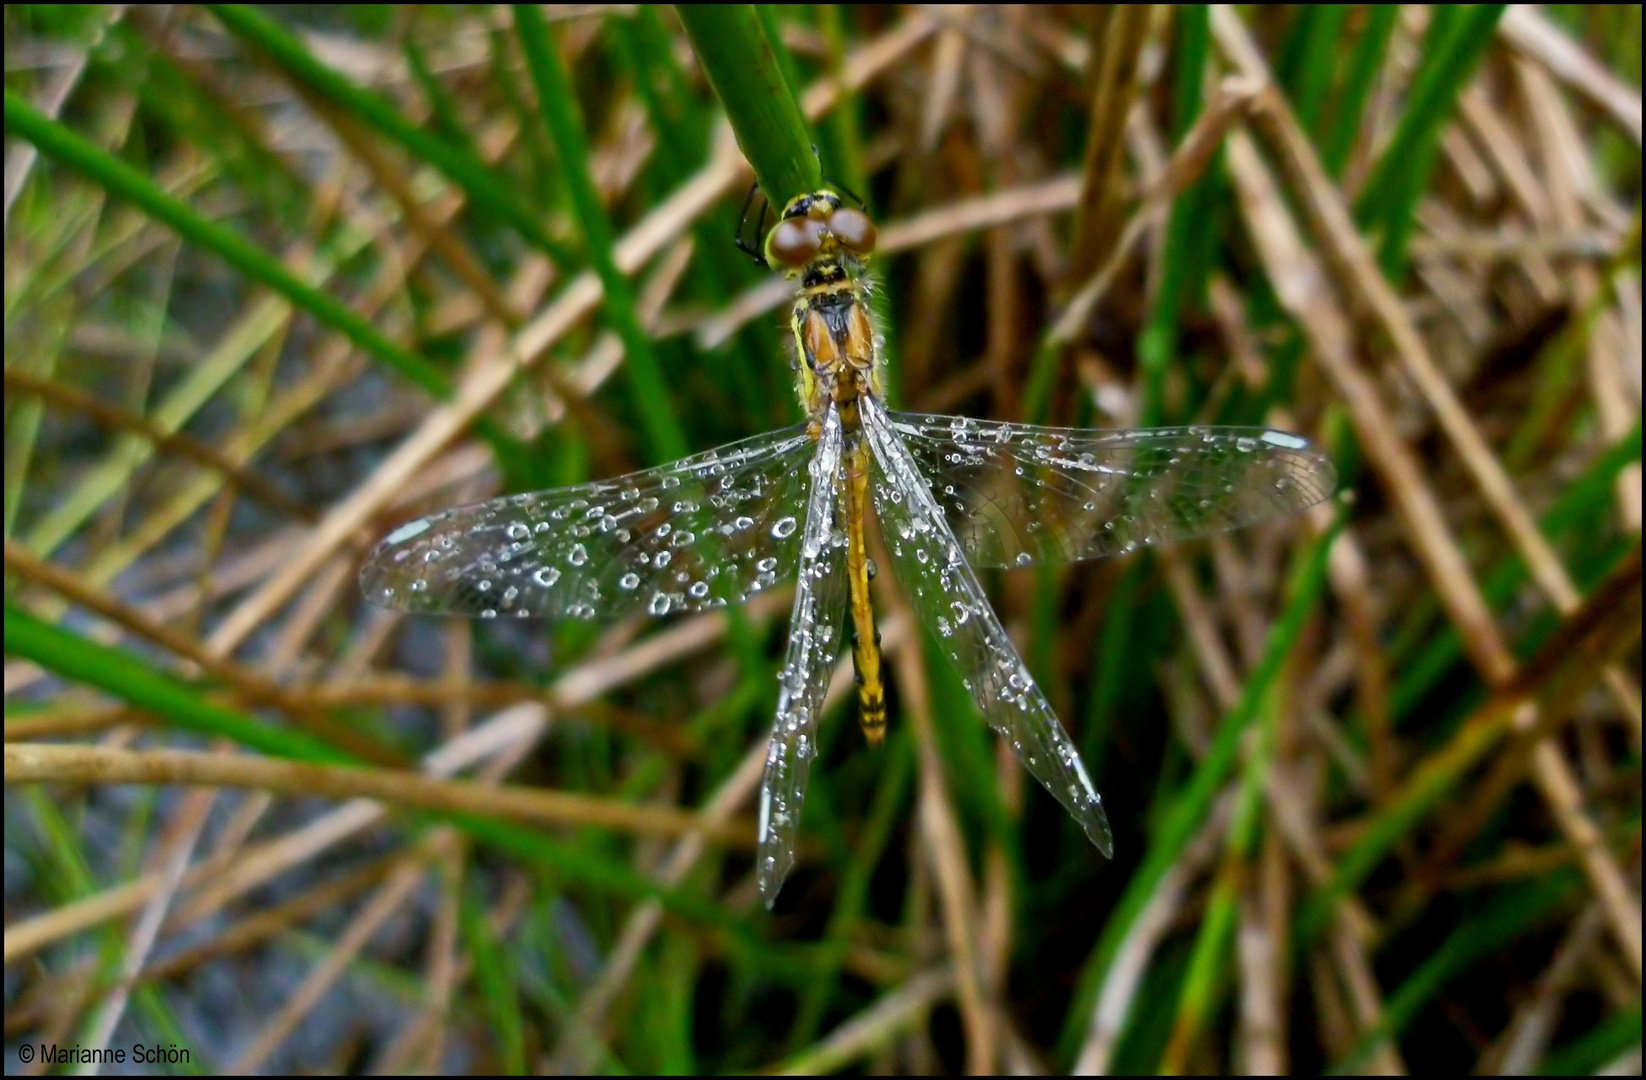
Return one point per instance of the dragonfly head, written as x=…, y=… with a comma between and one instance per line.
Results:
x=818, y=224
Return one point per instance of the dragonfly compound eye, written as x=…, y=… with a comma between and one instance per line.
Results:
x=794, y=242
x=853, y=229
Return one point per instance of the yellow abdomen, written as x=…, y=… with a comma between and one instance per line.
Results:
x=871, y=690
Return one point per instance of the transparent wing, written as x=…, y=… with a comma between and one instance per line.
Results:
x=1017, y=494
x=698, y=533
x=814, y=643
x=933, y=573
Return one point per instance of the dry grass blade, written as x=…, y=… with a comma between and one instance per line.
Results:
x=73, y=765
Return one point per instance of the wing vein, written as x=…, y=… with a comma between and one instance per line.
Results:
x=698, y=533
x=944, y=592
x=1017, y=494
x=814, y=642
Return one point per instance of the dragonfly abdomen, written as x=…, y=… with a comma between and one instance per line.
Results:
x=871, y=688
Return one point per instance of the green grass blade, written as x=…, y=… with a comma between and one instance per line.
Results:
x=1194, y=801
x=890, y=798
x=1510, y=914
x=125, y=182
x=122, y=674
x=1360, y=75
x=1308, y=59
x=111, y=476
x=744, y=71
x=1425, y=661
x=137, y=683
x=494, y=972
x=1187, y=229
x=558, y=104
x=1209, y=960
x=1452, y=49
x=1608, y=1043
x=842, y=129
x=289, y=53
x=772, y=31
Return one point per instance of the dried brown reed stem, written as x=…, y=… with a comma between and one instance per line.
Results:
x=88, y=765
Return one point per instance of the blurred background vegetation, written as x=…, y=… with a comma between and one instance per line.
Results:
x=278, y=279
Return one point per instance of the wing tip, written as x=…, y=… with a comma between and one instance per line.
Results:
x=1098, y=831
x=774, y=870
x=377, y=573
x=1322, y=473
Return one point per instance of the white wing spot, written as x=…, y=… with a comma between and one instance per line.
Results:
x=1284, y=439
x=765, y=810
x=1085, y=781
x=407, y=531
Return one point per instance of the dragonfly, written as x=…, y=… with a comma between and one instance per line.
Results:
x=952, y=494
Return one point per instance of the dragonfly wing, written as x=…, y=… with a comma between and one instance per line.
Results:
x=944, y=592
x=1017, y=494
x=698, y=533
x=814, y=644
